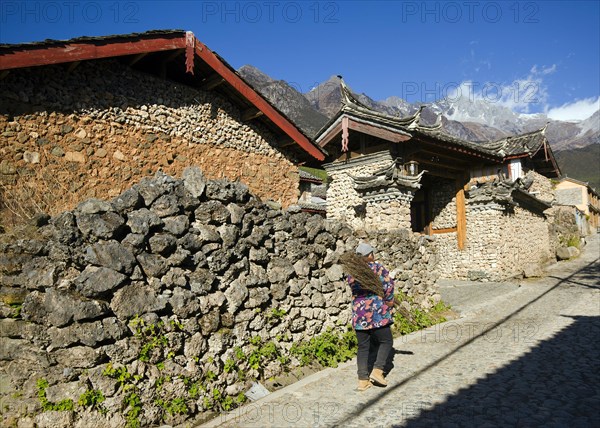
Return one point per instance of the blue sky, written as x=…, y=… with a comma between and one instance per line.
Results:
x=531, y=56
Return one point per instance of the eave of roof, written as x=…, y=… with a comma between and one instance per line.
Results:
x=527, y=200
x=87, y=48
x=525, y=145
x=519, y=146
x=307, y=176
x=90, y=48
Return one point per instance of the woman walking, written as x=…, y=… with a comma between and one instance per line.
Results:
x=373, y=291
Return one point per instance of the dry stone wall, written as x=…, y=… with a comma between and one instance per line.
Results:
x=391, y=215
x=443, y=200
x=500, y=244
x=167, y=299
x=541, y=187
x=95, y=131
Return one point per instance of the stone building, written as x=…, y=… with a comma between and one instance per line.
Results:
x=483, y=202
x=89, y=117
x=584, y=200
x=313, y=193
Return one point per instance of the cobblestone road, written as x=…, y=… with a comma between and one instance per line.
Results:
x=522, y=355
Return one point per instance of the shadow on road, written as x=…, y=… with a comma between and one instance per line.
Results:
x=578, y=343
x=589, y=273
x=548, y=386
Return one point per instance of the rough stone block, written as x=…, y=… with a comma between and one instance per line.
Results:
x=112, y=255
x=78, y=357
x=166, y=205
x=532, y=271
x=565, y=253
x=280, y=270
x=142, y=221
x=235, y=294
x=54, y=419
x=194, y=181
x=177, y=225
x=127, y=201
x=153, y=265
x=22, y=350
x=94, y=281
x=136, y=299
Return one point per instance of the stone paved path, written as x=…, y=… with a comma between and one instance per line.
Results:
x=523, y=354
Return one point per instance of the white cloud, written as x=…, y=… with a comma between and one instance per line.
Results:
x=523, y=95
x=542, y=70
x=549, y=70
x=578, y=110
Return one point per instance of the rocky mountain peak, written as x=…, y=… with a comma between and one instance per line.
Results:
x=464, y=116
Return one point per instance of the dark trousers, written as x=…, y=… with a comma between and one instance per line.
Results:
x=383, y=337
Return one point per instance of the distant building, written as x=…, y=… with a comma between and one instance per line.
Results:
x=313, y=193
x=483, y=202
x=579, y=194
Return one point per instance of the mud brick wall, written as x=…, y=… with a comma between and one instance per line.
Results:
x=97, y=130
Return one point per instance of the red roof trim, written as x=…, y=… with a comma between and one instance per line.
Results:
x=78, y=51
x=259, y=102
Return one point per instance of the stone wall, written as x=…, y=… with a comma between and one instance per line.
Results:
x=345, y=204
x=416, y=270
x=500, y=244
x=168, y=298
x=387, y=215
x=443, y=200
x=93, y=132
x=542, y=187
x=564, y=227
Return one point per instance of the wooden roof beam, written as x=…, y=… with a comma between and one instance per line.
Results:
x=173, y=55
x=250, y=114
x=212, y=82
x=435, y=146
x=441, y=172
x=331, y=135
x=428, y=161
x=136, y=59
x=375, y=131
x=165, y=61
x=286, y=143
x=455, y=160
x=72, y=66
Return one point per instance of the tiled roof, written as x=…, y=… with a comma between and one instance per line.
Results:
x=308, y=206
x=526, y=144
x=304, y=175
x=5, y=47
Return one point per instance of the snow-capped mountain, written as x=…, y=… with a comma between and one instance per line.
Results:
x=464, y=117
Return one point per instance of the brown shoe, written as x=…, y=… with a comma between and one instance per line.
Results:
x=363, y=385
x=377, y=377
